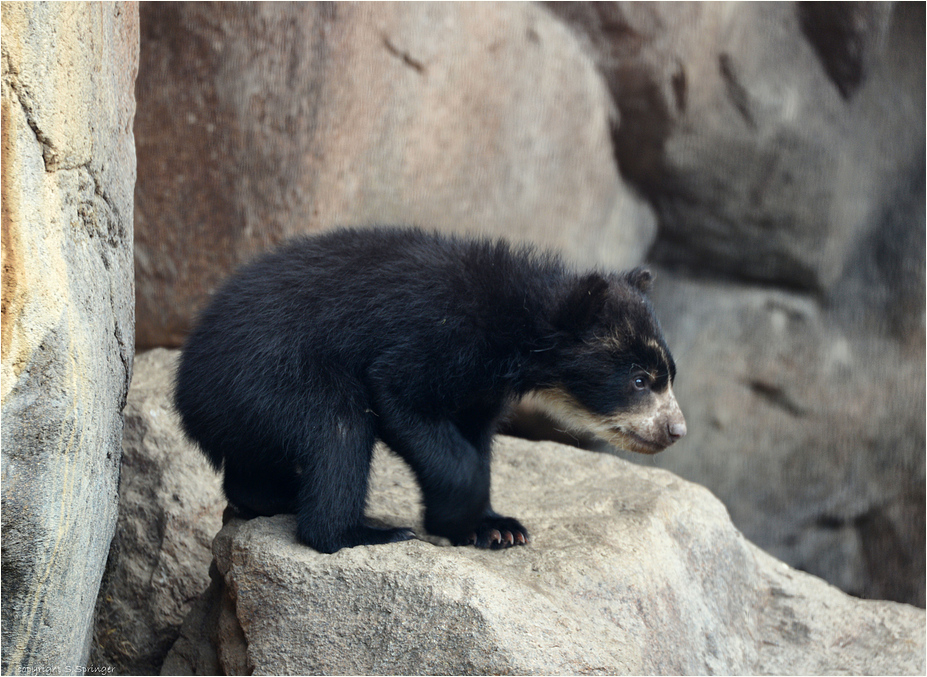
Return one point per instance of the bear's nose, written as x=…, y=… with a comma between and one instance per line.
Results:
x=677, y=430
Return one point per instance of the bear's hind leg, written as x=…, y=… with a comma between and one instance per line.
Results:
x=259, y=491
x=333, y=490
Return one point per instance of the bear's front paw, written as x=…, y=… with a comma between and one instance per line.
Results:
x=497, y=532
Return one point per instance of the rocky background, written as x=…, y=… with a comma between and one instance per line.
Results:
x=782, y=147
x=767, y=159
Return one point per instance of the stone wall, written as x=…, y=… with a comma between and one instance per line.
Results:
x=68, y=175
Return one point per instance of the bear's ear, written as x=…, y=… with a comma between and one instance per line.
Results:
x=583, y=304
x=640, y=278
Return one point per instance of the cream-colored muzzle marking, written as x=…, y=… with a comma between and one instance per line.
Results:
x=647, y=429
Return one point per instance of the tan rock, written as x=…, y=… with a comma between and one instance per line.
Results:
x=68, y=176
x=170, y=508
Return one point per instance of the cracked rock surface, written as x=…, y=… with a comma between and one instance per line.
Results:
x=68, y=74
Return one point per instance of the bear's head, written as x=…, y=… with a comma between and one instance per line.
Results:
x=611, y=373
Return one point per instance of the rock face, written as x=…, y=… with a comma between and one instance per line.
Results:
x=68, y=175
x=811, y=434
x=257, y=122
x=630, y=571
x=170, y=508
x=768, y=135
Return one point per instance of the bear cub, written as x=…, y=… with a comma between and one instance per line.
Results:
x=307, y=356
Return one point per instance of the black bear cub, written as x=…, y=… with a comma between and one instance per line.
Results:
x=306, y=357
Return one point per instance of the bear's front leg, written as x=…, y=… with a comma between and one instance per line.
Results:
x=453, y=473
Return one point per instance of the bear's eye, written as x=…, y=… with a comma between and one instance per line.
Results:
x=641, y=382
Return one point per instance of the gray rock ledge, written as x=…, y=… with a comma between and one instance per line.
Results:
x=631, y=570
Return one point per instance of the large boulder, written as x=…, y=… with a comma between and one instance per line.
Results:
x=68, y=175
x=813, y=435
x=260, y=121
x=631, y=570
x=170, y=508
x=769, y=136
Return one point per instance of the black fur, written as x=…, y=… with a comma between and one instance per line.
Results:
x=308, y=355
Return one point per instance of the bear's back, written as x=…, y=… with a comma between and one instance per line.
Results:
x=347, y=296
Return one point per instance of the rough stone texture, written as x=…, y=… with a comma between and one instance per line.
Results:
x=170, y=508
x=768, y=135
x=631, y=571
x=194, y=652
x=812, y=435
x=259, y=121
x=68, y=74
